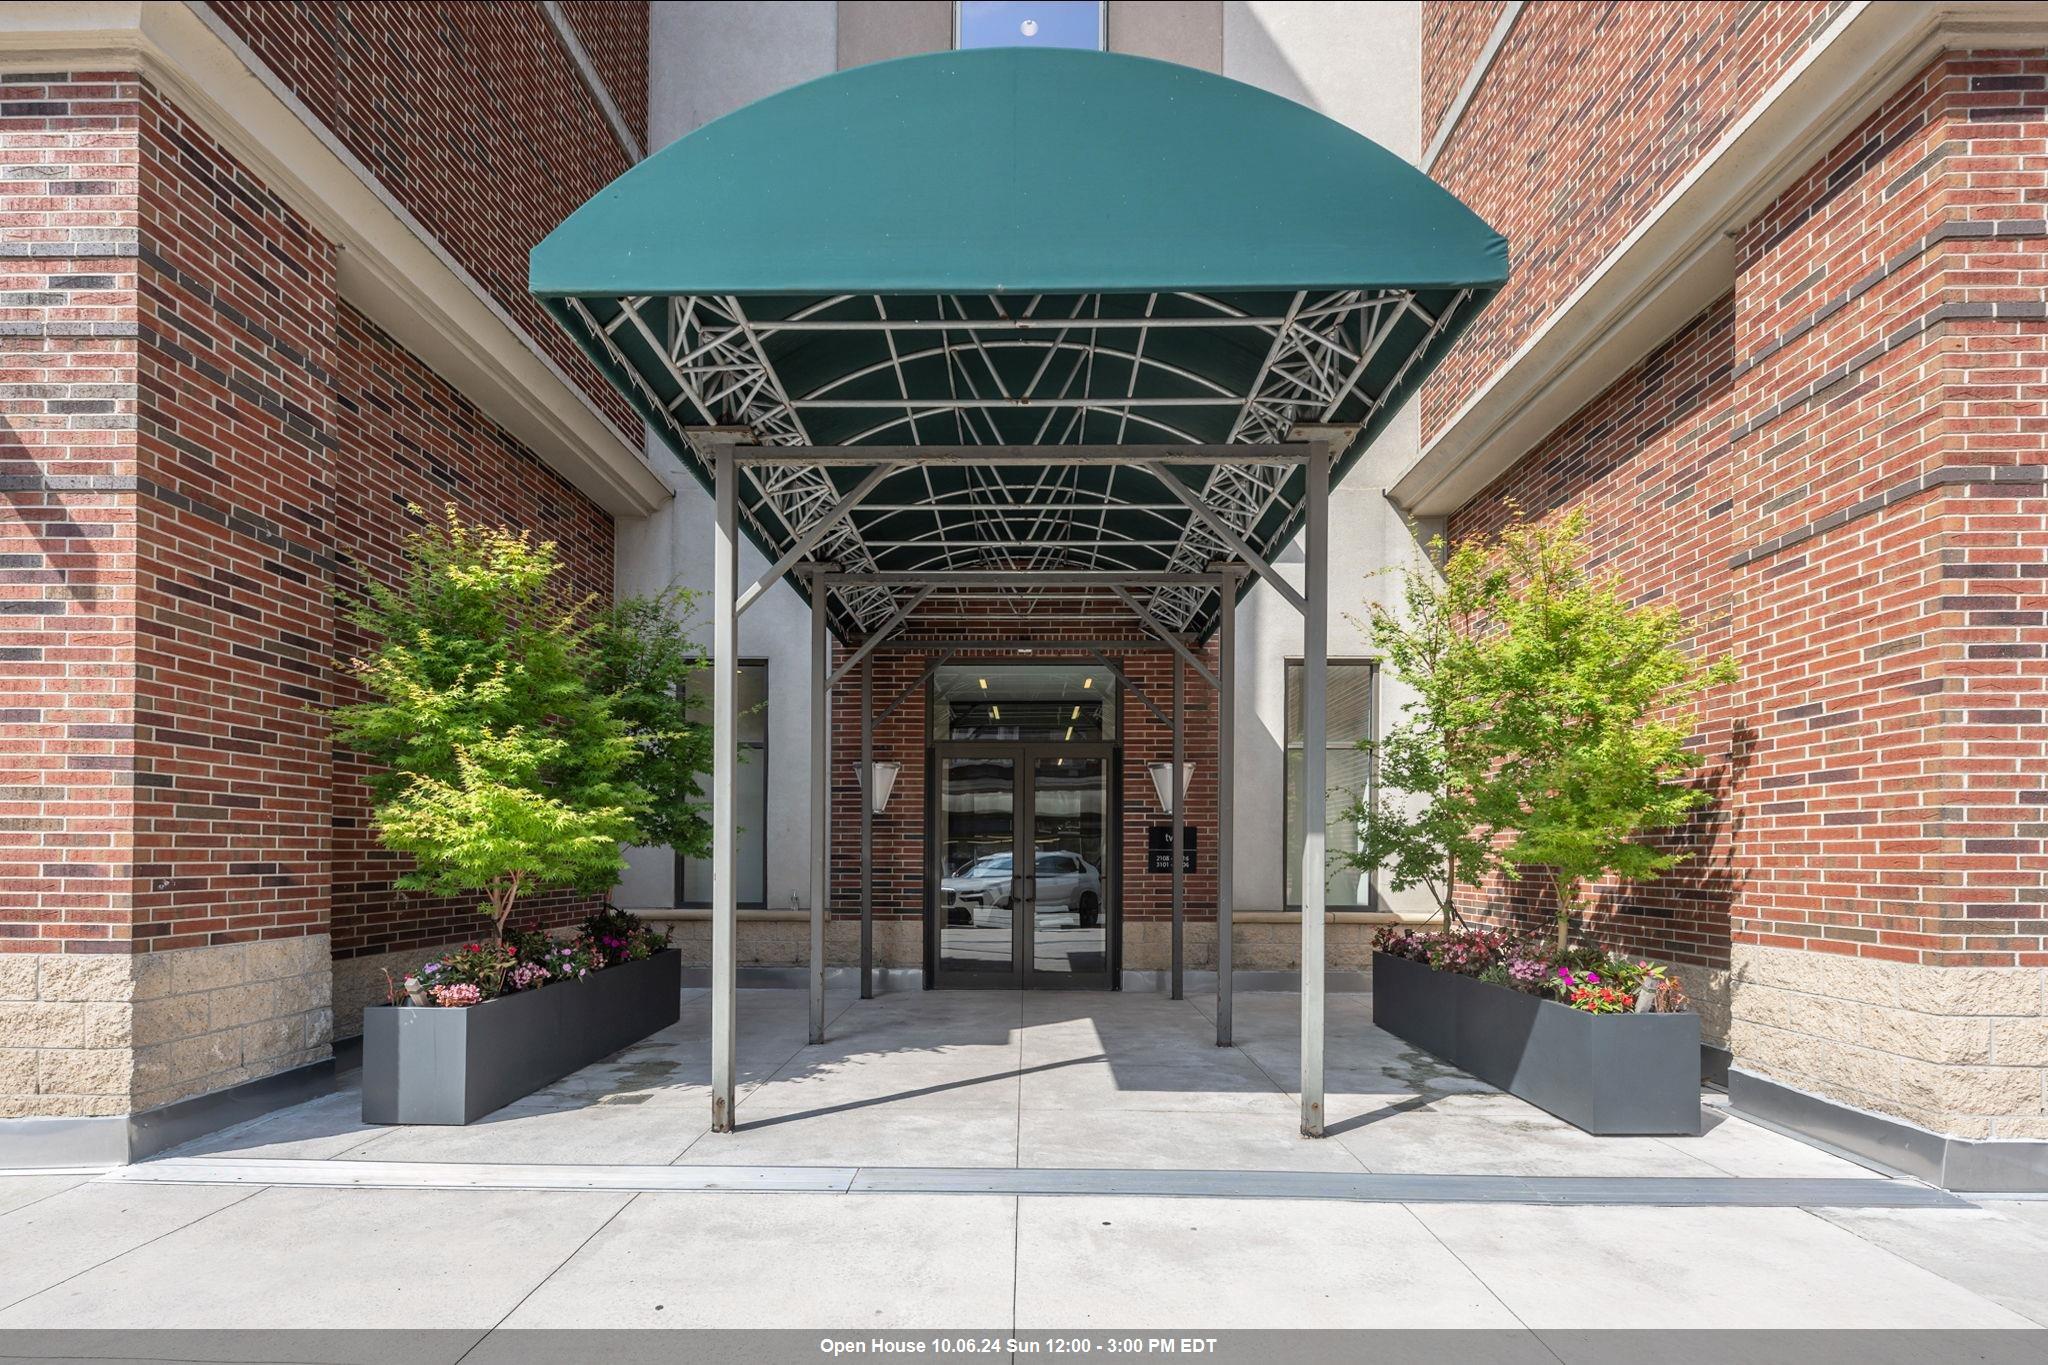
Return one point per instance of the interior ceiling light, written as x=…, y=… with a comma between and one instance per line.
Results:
x=995, y=712
x=1076, y=715
x=984, y=683
x=1070, y=732
x=1087, y=683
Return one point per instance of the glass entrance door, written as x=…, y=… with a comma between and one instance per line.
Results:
x=975, y=835
x=1024, y=875
x=1069, y=887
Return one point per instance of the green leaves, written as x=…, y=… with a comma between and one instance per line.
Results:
x=1549, y=720
x=644, y=654
x=514, y=733
x=488, y=825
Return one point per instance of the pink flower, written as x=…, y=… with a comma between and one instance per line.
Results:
x=463, y=994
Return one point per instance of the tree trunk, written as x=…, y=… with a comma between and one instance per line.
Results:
x=502, y=897
x=1450, y=890
x=1567, y=901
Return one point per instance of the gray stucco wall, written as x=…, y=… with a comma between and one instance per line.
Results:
x=708, y=59
x=1361, y=65
x=1358, y=63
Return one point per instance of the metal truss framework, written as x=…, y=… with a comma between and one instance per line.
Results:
x=1079, y=625
x=949, y=381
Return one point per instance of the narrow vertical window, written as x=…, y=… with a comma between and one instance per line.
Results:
x=1351, y=717
x=693, y=875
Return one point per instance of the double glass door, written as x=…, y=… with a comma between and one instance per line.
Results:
x=1021, y=837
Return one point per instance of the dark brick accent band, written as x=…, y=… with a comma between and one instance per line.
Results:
x=2014, y=230
x=2026, y=480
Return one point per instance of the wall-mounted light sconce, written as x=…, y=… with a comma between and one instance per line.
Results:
x=884, y=783
x=1162, y=782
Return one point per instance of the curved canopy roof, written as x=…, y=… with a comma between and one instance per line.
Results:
x=1019, y=247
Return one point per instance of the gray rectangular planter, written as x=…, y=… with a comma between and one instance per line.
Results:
x=453, y=1066
x=1605, y=1073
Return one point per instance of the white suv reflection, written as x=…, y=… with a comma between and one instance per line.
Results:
x=979, y=894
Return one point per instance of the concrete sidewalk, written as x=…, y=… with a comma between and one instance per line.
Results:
x=78, y=1253
x=1091, y=1084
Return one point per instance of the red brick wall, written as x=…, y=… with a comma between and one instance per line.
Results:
x=69, y=199
x=899, y=833
x=614, y=34
x=1847, y=459
x=202, y=443
x=235, y=614
x=407, y=439
x=1649, y=463
x=1452, y=36
x=473, y=116
x=1589, y=114
x=1889, y=464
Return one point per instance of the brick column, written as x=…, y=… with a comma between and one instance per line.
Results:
x=169, y=619
x=1892, y=542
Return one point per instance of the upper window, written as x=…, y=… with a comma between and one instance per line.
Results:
x=1028, y=23
x=1350, y=717
x=1031, y=701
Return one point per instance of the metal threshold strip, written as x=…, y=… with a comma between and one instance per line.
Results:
x=1362, y=1187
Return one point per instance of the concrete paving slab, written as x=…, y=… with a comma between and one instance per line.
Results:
x=2031, y=1211
x=541, y=1129
x=1737, y=1147
x=886, y=1134
x=789, y=1260
x=896, y=1087
x=318, y=1258
x=1520, y=1142
x=19, y=1191
x=1190, y=1264
x=47, y=1242
x=2004, y=1259
x=1148, y=1140
x=325, y=1127
x=1678, y=1268
x=1225, y=1082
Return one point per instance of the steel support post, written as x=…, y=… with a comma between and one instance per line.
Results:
x=821, y=798
x=1315, y=650
x=867, y=829
x=1226, y=741
x=1180, y=814
x=725, y=758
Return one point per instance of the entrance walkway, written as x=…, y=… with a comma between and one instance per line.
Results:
x=1124, y=1081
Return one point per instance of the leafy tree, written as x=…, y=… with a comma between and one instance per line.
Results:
x=1427, y=827
x=506, y=771
x=644, y=656
x=1595, y=710
x=1552, y=719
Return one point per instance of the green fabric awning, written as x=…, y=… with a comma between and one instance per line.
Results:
x=1018, y=246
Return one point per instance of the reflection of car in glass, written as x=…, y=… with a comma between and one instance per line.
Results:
x=980, y=892
x=972, y=894
x=1068, y=885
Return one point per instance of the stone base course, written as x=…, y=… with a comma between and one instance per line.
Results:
x=1960, y=1050
x=87, y=1035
